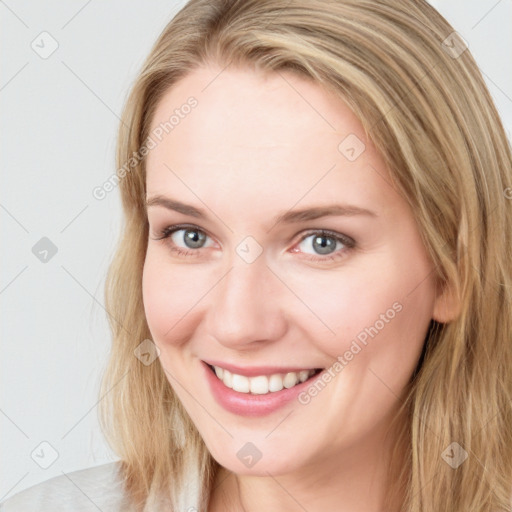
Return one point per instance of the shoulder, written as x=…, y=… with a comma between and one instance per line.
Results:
x=90, y=489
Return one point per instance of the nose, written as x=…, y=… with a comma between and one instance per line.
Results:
x=245, y=309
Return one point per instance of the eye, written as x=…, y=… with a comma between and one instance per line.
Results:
x=328, y=244
x=193, y=238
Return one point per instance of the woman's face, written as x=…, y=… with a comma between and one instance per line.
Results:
x=248, y=291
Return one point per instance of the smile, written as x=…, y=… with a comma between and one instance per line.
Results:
x=262, y=384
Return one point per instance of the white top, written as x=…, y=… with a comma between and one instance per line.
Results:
x=86, y=490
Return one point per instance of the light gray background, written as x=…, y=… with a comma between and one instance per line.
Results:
x=59, y=122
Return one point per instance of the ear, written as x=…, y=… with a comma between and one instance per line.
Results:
x=447, y=304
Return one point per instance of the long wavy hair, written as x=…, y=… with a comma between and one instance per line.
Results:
x=421, y=99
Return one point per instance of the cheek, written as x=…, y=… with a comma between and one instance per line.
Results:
x=383, y=309
x=168, y=295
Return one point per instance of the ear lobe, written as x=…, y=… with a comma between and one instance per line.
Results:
x=447, y=304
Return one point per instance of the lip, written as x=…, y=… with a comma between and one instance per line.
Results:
x=247, y=404
x=254, y=371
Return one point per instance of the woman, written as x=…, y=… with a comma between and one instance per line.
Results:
x=311, y=298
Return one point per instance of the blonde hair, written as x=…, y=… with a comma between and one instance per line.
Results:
x=422, y=101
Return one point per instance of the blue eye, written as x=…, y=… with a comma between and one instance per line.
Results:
x=329, y=245
x=326, y=242
x=192, y=235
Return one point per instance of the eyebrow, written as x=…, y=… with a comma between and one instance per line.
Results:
x=289, y=216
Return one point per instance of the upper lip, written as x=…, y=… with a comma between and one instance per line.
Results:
x=252, y=371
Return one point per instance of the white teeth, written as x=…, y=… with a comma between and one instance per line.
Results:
x=227, y=378
x=261, y=384
x=303, y=375
x=290, y=380
x=240, y=383
x=275, y=383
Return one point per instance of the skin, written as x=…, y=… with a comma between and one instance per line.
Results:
x=257, y=145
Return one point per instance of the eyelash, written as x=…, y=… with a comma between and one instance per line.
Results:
x=348, y=242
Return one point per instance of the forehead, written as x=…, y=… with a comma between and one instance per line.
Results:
x=257, y=110
x=274, y=136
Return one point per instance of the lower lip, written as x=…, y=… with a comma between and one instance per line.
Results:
x=247, y=404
